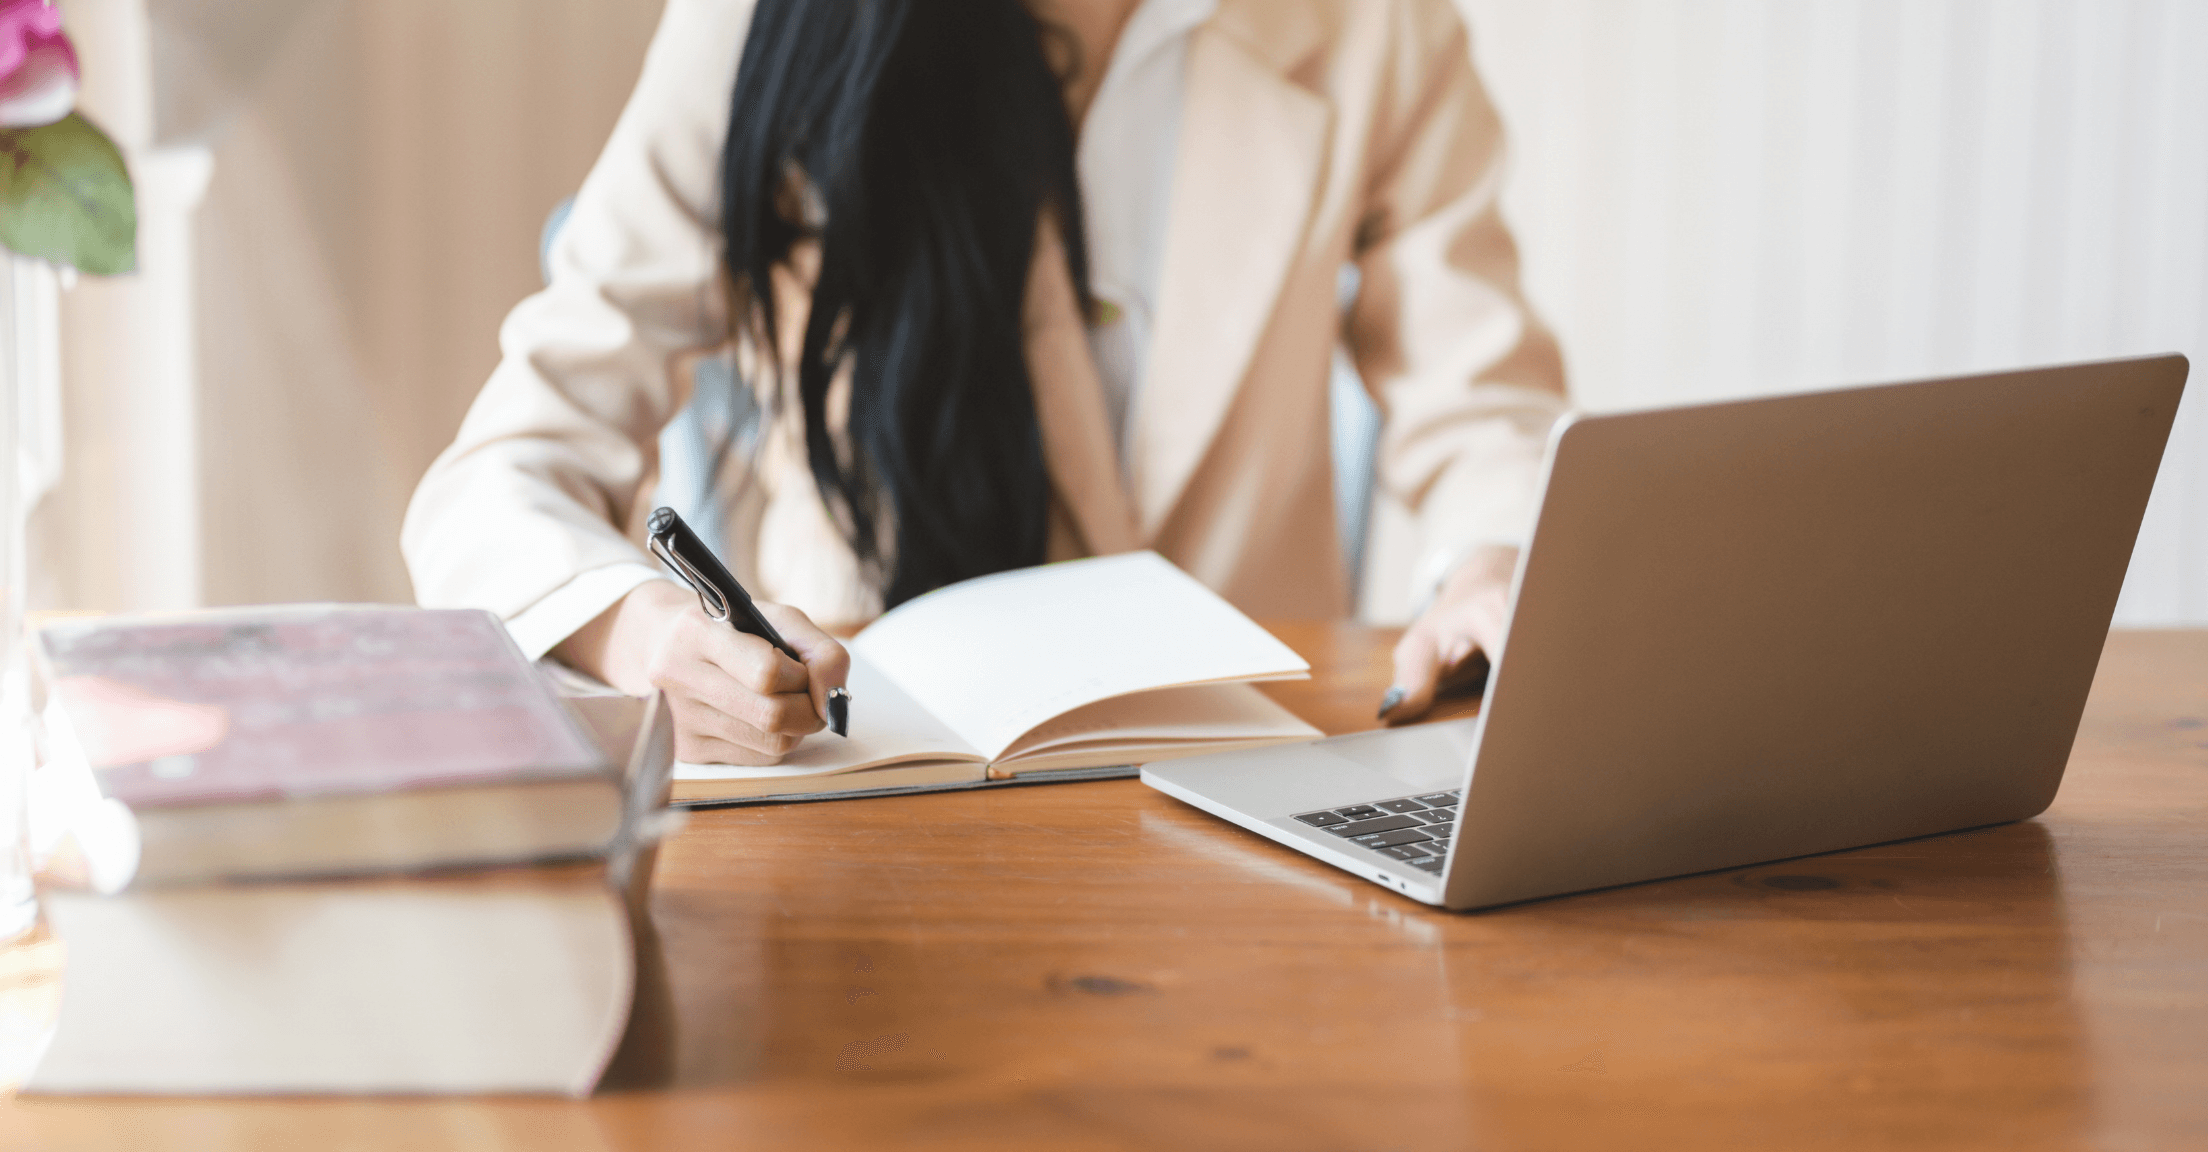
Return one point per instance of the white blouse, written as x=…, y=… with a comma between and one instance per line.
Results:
x=1128, y=140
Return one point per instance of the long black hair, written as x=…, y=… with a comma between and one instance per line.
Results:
x=931, y=136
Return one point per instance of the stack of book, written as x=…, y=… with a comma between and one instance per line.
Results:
x=365, y=850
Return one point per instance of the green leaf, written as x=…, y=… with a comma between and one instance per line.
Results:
x=65, y=196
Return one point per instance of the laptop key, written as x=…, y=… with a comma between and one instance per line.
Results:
x=1391, y=839
x=1438, y=799
x=1322, y=819
x=1381, y=824
x=1405, y=805
x=1405, y=852
x=1359, y=812
x=1429, y=864
x=1442, y=816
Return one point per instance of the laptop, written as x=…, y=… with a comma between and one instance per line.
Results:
x=1755, y=630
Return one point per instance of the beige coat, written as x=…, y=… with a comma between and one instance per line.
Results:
x=1315, y=133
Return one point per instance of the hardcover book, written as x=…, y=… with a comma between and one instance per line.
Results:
x=314, y=740
x=507, y=979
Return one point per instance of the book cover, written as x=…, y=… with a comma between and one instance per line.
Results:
x=304, y=701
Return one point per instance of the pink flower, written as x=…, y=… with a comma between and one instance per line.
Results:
x=38, y=67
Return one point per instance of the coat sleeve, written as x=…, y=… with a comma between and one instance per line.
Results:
x=526, y=513
x=1467, y=380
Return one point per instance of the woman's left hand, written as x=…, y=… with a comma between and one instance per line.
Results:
x=1468, y=615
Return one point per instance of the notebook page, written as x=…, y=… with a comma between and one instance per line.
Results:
x=996, y=656
x=1200, y=712
x=887, y=727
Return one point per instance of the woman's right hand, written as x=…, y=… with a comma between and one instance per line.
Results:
x=736, y=699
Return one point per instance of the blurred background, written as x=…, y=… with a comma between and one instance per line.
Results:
x=340, y=199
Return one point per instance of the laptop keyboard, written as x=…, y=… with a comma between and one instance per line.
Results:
x=1411, y=829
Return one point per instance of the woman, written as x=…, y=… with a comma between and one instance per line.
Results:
x=984, y=339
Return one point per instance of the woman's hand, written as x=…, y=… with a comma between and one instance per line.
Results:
x=1467, y=616
x=736, y=698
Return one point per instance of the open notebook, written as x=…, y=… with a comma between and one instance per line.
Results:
x=1068, y=671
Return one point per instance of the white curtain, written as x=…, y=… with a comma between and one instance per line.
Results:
x=1724, y=198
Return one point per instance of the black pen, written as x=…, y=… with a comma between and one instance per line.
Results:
x=724, y=599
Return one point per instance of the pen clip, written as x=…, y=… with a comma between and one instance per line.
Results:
x=709, y=598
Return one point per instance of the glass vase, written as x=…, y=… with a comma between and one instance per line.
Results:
x=30, y=958
x=26, y=338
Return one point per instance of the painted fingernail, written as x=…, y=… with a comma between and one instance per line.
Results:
x=1388, y=702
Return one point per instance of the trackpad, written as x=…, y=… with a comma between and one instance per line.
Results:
x=1276, y=782
x=1424, y=756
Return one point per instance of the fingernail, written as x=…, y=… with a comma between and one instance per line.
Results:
x=1388, y=702
x=839, y=711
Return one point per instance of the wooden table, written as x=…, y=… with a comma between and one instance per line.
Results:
x=1097, y=966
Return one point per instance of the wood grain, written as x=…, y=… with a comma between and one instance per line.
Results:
x=1095, y=966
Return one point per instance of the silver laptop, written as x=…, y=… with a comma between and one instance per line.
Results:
x=1756, y=630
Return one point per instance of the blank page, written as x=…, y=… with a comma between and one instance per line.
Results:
x=1194, y=712
x=887, y=727
x=997, y=656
